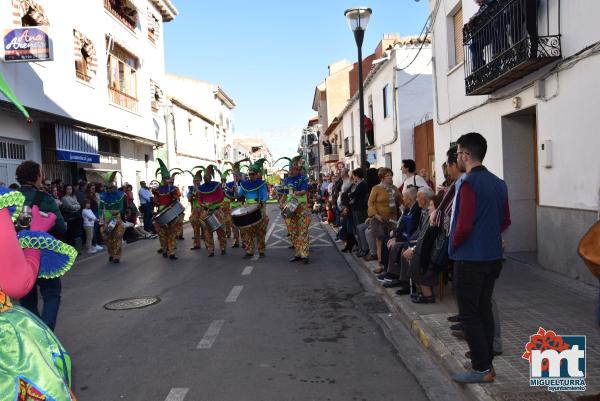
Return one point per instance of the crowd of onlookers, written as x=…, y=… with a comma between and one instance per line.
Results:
x=389, y=224
x=79, y=203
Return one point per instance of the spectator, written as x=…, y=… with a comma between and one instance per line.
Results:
x=479, y=217
x=14, y=186
x=399, y=238
x=90, y=196
x=29, y=176
x=383, y=204
x=71, y=210
x=89, y=221
x=54, y=194
x=409, y=169
x=372, y=179
x=146, y=206
x=80, y=192
x=425, y=174
x=358, y=200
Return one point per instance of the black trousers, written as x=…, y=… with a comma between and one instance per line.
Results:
x=50, y=290
x=474, y=288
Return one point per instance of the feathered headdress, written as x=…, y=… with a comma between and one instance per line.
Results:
x=6, y=91
x=176, y=173
x=237, y=166
x=109, y=177
x=257, y=166
x=226, y=173
x=211, y=169
x=163, y=170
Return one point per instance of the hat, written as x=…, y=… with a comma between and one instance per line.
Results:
x=162, y=169
x=236, y=167
x=257, y=166
x=109, y=178
x=210, y=171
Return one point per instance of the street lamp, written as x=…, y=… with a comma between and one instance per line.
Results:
x=358, y=20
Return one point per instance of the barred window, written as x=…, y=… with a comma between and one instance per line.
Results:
x=12, y=151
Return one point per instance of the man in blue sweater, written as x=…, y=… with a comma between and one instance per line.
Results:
x=479, y=217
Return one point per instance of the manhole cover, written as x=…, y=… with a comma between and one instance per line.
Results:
x=131, y=303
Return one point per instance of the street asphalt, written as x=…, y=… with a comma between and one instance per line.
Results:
x=229, y=329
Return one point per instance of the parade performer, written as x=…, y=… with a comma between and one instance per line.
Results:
x=231, y=196
x=299, y=223
x=196, y=216
x=164, y=196
x=210, y=197
x=111, y=209
x=254, y=190
x=33, y=363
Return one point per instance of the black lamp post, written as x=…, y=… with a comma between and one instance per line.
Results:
x=358, y=20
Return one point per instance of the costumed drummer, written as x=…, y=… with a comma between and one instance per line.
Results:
x=299, y=222
x=111, y=209
x=210, y=197
x=196, y=216
x=254, y=190
x=165, y=195
x=33, y=363
x=231, y=196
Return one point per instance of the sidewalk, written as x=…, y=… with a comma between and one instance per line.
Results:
x=528, y=297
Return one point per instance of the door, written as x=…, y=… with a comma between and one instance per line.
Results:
x=424, y=148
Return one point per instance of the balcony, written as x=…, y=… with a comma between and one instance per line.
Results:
x=123, y=99
x=120, y=10
x=330, y=158
x=509, y=40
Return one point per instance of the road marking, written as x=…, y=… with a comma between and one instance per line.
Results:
x=247, y=270
x=255, y=257
x=177, y=394
x=234, y=294
x=211, y=334
x=270, y=232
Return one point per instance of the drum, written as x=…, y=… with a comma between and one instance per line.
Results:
x=111, y=225
x=290, y=207
x=170, y=213
x=212, y=222
x=246, y=216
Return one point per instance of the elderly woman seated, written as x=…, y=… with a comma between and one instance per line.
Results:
x=399, y=238
x=401, y=272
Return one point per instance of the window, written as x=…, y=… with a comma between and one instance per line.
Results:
x=459, y=54
x=385, y=101
x=110, y=145
x=29, y=13
x=370, y=107
x=86, y=61
x=122, y=77
x=156, y=96
x=205, y=133
x=153, y=27
x=190, y=126
x=352, y=124
x=12, y=151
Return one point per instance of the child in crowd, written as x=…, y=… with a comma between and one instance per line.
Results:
x=89, y=219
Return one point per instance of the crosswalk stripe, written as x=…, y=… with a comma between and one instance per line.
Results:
x=247, y=270
x=177, y=394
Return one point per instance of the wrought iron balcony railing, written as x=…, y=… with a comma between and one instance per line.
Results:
x=509, y=39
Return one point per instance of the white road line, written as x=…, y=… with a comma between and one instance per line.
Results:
x=234, y=294
x=270, y=232
x=177, y=394
x=211, y=335
x=255, y=257
x=247, y=270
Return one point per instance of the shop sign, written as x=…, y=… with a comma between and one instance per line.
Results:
x=78, y=157
x=27, y=44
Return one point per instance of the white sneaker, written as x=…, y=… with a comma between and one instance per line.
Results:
x=99, y=248
x=92, y=250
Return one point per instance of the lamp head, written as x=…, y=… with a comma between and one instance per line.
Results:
x=358, y=18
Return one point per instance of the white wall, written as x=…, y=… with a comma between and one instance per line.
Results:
x=52, y=85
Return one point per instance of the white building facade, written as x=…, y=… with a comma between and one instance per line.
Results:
x=533, y=94
x=200, y=126
x=397, y=96
x=96, y=103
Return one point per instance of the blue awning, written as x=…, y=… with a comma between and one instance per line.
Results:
x=76, y=145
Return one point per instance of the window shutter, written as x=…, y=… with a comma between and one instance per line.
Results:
x=459, y=55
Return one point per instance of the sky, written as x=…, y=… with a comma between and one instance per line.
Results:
x=268, y=55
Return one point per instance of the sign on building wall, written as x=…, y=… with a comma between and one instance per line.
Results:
x=27, y=44
x=76, y=145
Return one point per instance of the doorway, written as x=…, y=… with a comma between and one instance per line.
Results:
x=519, y=150
x=424, y=148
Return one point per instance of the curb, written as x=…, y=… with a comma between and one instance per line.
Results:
x=410, y=318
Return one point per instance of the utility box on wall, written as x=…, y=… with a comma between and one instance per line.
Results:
x=546, y=153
